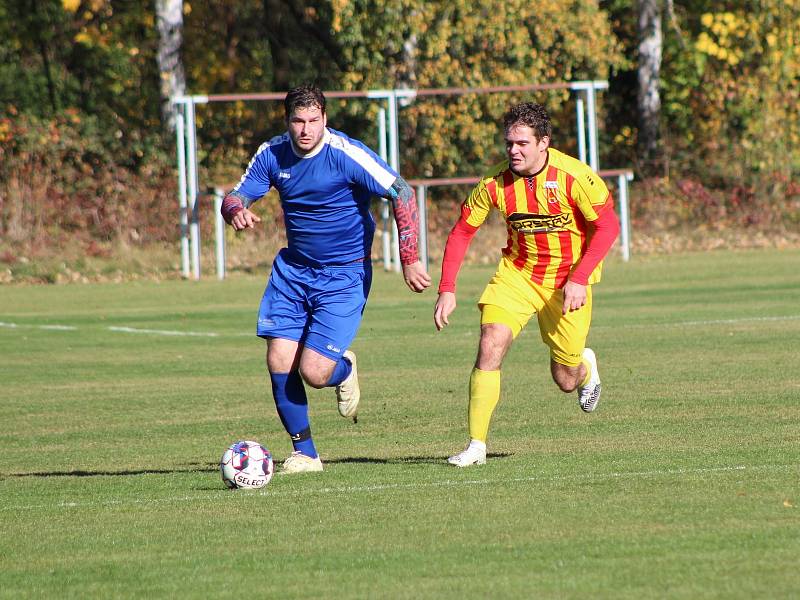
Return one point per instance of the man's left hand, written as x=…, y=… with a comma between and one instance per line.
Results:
x=574, y=296
x=417, y=278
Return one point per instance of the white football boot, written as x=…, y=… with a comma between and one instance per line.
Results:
x=300, y=463
x=589, y=395
x=348, y=393
x=474, y=454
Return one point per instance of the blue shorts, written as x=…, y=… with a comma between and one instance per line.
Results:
x=319, y=307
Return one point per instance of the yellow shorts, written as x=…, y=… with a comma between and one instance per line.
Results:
x=511, y=298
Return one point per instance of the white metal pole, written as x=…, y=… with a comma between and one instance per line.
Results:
x=581, y=120
x=194, y=228
x=423, y=225
x=395, y=247
x=219, y=226
x=394, y=162
x=183, y=218
x=625, y=242
x=394, y=155
x=594, y=161
x=386, y=242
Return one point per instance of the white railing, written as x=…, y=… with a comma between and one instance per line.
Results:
x=623, y=176
x=188, y=178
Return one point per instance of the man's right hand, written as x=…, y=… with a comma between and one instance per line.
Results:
x=416, y=277
x=445, y=304
x=244, y=219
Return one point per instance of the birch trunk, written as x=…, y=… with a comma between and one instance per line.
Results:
x=649, y=98
x=169, y=20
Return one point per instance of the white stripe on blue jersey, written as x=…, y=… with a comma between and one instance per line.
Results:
x=325, y=195
x=383, y=176
x=275, y=140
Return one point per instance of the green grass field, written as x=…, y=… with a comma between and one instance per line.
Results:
x=684, y=484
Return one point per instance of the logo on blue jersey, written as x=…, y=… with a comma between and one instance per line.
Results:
x=284, y=175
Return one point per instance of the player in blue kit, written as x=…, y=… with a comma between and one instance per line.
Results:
x=315, y=297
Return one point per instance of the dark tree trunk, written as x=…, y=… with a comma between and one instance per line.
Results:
x=278, y=24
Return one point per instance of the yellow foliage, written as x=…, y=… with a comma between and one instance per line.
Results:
x=83, y=38
x=719, y=43
x=746, y=94
x=5, y=130
x=71, y=6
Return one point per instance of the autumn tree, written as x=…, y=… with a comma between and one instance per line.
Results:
x=731, y=93
x=470, y=44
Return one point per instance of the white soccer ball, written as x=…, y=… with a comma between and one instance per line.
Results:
x=246, y=465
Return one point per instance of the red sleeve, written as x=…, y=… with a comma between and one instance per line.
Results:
x=602, y=233
x=454, y=251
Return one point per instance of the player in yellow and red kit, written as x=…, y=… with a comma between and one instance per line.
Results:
x=561, y=224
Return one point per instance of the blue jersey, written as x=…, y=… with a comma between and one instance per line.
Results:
x=325, y=195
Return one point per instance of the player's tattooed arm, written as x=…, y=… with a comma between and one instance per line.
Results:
x=233, y=203
x=235, y=211
x=404, y=202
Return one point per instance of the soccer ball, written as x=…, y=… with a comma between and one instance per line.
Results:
x=246, y=465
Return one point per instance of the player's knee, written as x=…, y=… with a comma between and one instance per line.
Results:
x=565, y=385
x=496, y=339
x=314, y=377
x=565, y=377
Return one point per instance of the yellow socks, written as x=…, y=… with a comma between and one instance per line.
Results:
x=484, y=393
x=588, y=366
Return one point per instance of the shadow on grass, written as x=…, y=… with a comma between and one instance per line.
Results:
x=193, y=468
x=403, y=460
x=213, y=467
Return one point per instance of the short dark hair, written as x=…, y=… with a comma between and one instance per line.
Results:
x=531, y=114
x=303, y=96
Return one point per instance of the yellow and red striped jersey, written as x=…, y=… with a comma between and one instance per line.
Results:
x=545, y=214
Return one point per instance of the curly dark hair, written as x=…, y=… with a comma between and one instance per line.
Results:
x=531, y=114
x=303, y=96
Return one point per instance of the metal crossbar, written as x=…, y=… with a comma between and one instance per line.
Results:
x=189, y=184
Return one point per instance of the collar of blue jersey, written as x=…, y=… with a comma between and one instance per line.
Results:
x=326, y=138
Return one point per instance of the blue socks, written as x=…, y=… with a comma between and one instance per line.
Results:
x=292, y=404
x=341, y=372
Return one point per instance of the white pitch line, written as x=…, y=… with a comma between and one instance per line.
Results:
x=176, y=333
x=271, y=492
x=163, y=332
x=469, y=482
x=53, y=327
x=746, y=319
x=120, y=329
x=696, y=323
